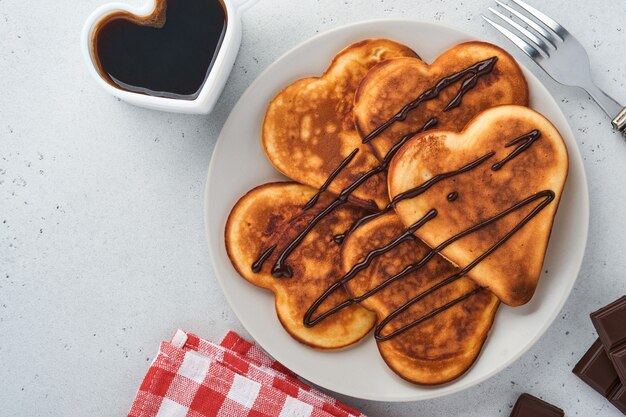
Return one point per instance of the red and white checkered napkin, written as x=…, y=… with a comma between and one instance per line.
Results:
x=196, y=378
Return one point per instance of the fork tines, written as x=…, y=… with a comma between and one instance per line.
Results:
x=542, y=36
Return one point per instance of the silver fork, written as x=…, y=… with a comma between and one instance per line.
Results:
x=556, y=51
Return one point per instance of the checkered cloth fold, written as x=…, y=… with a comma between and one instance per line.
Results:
x=196, y=378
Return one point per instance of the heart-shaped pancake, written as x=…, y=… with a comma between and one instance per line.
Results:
x=392, y=84
x=272, y=214
x=441, y=348
x=309, y=126
x=496, y=186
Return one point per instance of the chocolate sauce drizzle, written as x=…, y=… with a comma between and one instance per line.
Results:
x=387, y=160
x=429, y=315
x=546, y=195
x=477, y=70
x=258, y=264
x=281, y=270
x=526, y=140
x=406, y=235
x=414, y=192
x=330, y=179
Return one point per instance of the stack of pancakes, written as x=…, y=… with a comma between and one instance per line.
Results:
x=429, y=270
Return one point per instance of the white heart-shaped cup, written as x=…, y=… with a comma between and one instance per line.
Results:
x=215, y=80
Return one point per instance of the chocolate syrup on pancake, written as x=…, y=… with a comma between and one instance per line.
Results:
x=330, y=179
x=258, y=264
x=547, y=194
x=166, y=54
x=403, y=237
x=414, y=192
x=525, y=141
x=385, y=162
x=280, y=269
x=477, y=70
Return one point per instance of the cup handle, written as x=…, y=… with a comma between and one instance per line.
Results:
x=243, y=5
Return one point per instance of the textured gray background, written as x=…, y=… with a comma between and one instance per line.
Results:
x=102, y=247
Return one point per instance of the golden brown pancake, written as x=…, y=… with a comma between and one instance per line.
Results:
x=392, y=84
x=271, y=214
x=309, y=126
x=441, y=348
x=512, y=271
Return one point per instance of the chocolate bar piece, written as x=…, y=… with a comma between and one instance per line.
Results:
x=610, y=323
x=618, y=398
x=618, y=357
x=595, y=368
x=529, y=406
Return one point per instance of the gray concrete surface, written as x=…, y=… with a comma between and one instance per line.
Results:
x=102, y=247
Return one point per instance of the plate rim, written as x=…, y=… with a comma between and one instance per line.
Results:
x=584, y=229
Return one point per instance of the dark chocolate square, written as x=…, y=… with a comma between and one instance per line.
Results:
x=618, y=357
x=596, y=369
x=610, y=323
x=529, y=406
x=618, y=399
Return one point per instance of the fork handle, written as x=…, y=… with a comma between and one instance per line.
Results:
x=619, y=122
x=610, y=106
